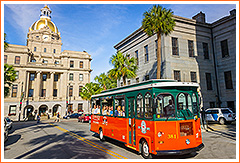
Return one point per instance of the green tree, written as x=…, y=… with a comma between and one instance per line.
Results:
x=158, y=20
x=123, y=67
x=5, y=42
x=9, y=77
x=90, y=89
x=105, y=82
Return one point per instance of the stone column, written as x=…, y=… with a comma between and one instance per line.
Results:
x=37, y=86
x=50, y=90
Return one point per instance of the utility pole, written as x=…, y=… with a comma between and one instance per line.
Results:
x=21, y=99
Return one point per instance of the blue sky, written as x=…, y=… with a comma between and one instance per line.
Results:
x=96, y=28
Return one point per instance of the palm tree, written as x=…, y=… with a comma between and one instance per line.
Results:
x=158, y=20
x=123, y=67
x=5, y=42
x=90, y=89
x=105, y=82
x=9, y=77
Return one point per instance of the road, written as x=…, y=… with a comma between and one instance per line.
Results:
x=70, y=139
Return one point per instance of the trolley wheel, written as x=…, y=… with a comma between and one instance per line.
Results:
x=145, y=150
x=222, y=121
x=101, y=135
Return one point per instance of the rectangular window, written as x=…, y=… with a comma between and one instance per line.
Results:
x=5, y=58
x=54, y=92
x=80, y=90
x=32, y=76
x=228, y=80
x=70, y=91
x=54, y=50
x=12, y=110
x=17, y=59
x=71, y=64
x=193, y=77
x=45, y=61
x=205, y=50
x=17, y=75
x=56, y=62
x=44, y=77
x=224, y=47
x=35, y=48
x=80, y=107
x=81, y=64
x=209, y=81
x=14, y=90
x=30, y=93
x=71, y=76
x=136, y=54
x=177, y=75
x=146, y=53
x=190, y=48
x=174, y=46
x=43, y=93
x=80, y=77
x=45, y=50
x=55, y=77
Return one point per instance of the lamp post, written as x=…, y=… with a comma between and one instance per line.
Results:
x=67, y=101
x=20, y=107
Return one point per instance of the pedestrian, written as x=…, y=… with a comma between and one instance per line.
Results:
x=38, y=118
x=57, y=118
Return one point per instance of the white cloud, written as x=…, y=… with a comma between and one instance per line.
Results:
x=23, y=16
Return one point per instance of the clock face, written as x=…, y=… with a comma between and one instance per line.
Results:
x=45, y=37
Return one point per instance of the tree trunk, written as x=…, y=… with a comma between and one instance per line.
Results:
x=124, y=80
x=159, y=56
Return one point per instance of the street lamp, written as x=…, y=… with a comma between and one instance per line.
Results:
x=21, y=99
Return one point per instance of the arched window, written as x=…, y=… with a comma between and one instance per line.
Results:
x=181, y=102
x=148, y=105
x=190, y=103
x=195, y=104
x=165, y=106
x=140, y=106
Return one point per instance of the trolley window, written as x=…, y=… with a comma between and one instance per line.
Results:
x=195, y=104
x=184, y=102
x=119, y=106
x=165, y=106
x=96, y=106
x=148, y=105
x=140, y=106
x=107, y=106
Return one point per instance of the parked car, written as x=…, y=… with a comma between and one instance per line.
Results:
x=74, y=115
x=9, y=123
x=221, y=115
x=5, y=130
x=84, y=118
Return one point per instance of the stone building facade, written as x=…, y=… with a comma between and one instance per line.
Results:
x=195, y=51
x=48, y=79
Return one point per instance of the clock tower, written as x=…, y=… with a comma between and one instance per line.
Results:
x=44, y=41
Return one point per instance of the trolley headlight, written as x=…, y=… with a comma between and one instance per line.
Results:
x=187, y=141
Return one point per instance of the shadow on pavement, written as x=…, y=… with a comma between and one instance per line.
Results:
x=60, y=146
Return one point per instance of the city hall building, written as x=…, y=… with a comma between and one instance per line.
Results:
x=195, y=51
x=47, y=77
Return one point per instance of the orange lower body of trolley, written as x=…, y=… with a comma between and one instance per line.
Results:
x=151, y=137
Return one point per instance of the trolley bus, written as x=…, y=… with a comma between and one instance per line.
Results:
x=156, y=117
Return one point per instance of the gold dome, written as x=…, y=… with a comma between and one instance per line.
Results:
x=45, y=20
x=42, y=23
